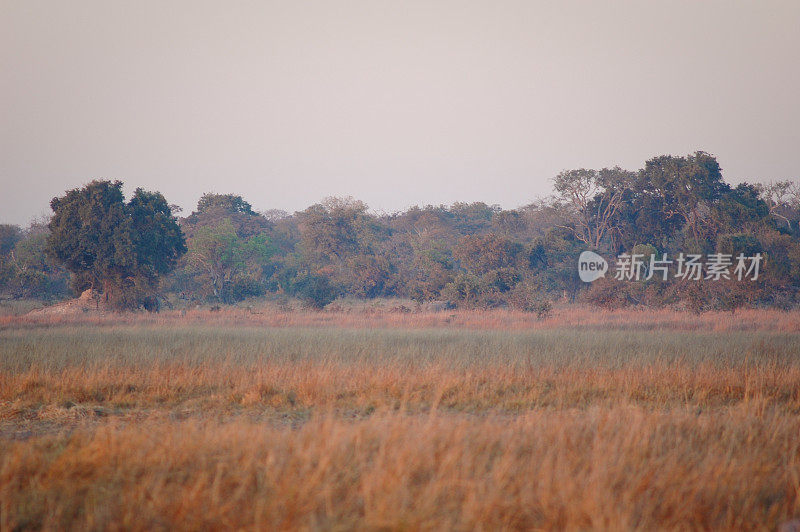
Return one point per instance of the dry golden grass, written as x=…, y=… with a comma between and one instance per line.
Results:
x=606, y=469
x=563, y=316
x=161, y=425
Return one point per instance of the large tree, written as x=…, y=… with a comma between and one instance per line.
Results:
x=230, y=249
x=118, y=248
x=687, y=187
x=213, y=209
x=226, y=267
x=592, y=198
x=333, y=230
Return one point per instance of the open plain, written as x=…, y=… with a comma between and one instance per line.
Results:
x=379, y=420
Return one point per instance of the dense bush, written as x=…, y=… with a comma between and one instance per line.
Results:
x=470, y=255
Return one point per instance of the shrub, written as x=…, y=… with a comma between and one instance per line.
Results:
x=528, y=296
x=464, y=290
x=315, y=290
x=607, y=293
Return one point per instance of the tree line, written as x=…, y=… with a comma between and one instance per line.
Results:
x=140, y=254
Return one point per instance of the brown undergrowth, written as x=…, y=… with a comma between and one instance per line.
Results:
x=407, y=317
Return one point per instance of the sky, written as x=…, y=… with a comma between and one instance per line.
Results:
x=395, y=103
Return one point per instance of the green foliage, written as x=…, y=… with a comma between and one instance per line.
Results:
x=368, y=275
x=557, y=258
x=481, y=254
x=330, y=230
x=315, y=290
x=685, y=185
x=230, y=251
x=501, y=280
x=592, y=200
x=27, y=272
x=736, y=243
x=742, y=209
x=9, y=236
x=528, y=296
x=472, y=254
x=646, y=251
x=117, y=247
x=225, y=203
x=227, y=267
x=464, y=290
x=158, y=240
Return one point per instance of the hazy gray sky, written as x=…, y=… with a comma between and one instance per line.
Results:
x=393, y=102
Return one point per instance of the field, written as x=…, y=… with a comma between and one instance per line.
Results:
x=394, y=420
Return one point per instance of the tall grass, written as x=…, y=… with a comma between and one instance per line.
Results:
x=160, y=426
x=608, y=469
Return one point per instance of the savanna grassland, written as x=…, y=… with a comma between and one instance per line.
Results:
x=611, y=420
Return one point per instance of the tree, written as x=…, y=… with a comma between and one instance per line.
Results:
x=509, y=224
x=157, y=238
x=464, y=290
x=339, y=239
x=228, y=203
x=480, y=254
x=594, y=197
x=29, y=272
x=641, y=219
x=430, y=271
x=687, y=187
x=315, y=290
x=212, y=209
x=741, y=209
x=330, y=230
x=554, y=259
x=227, y=267
x=368, y=275
x=9, y=236
x=118, y=248
x=783, y=201
x=230, y=250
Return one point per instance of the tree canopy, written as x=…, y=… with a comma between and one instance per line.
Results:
x=112, y=246
x=466, y=254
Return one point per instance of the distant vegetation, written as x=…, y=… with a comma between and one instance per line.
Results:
x=465, y=255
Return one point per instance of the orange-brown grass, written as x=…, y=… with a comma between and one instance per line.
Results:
x=563, y=316
x=620, y=468
x=146, y=426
